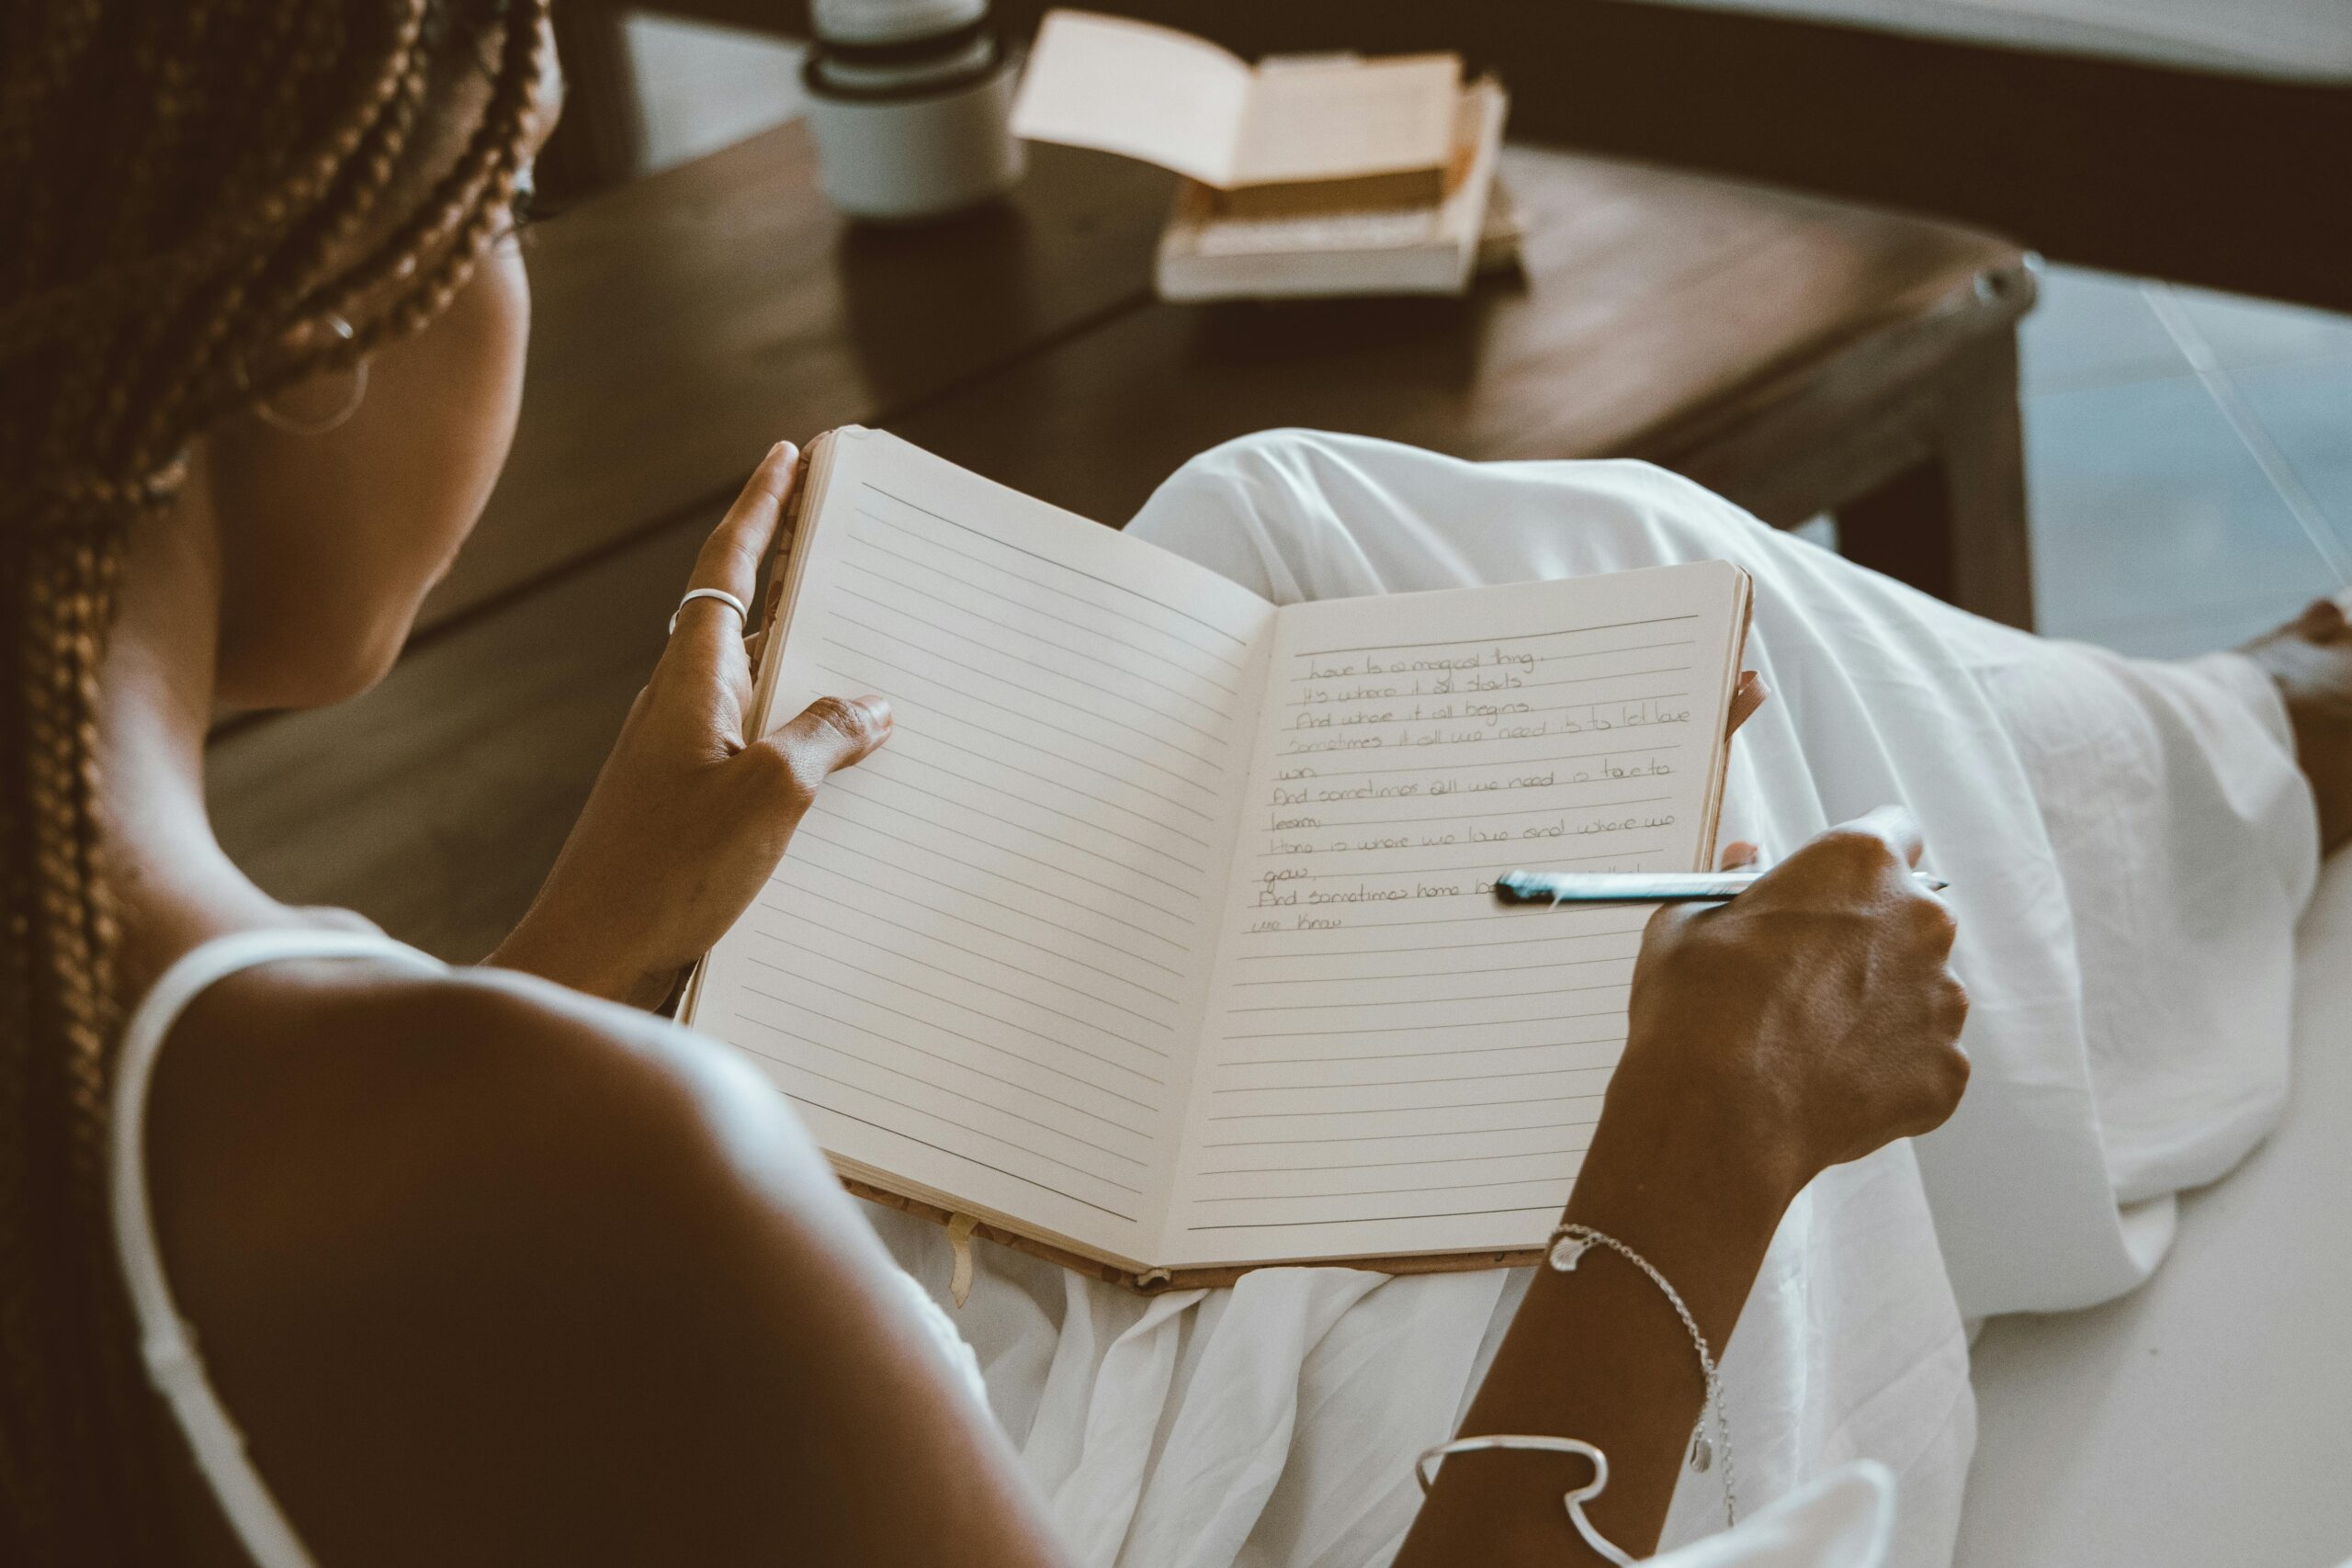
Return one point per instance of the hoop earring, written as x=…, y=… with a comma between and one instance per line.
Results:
x=336, y=421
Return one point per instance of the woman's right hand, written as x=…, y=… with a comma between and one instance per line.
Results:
x=1812, y=1019
x=1805, y=1022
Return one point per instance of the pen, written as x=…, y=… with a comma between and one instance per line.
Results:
x=1639, y=886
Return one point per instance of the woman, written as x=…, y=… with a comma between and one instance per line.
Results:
x=487, y=1268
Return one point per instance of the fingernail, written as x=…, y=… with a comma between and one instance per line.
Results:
x=876, y=710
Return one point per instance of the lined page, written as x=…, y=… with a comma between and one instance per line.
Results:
x=1393, y=1063
x=1324, y=119
x=981, y=967
x=1137, y=89
x=1150, y=92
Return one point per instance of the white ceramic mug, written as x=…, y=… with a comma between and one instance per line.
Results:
x=912, y=113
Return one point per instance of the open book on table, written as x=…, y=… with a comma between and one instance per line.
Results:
x=1328, y=131
x=1160, y=936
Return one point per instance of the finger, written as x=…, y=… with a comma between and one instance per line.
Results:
x=730, y=558
x=1858, y=856
x=1932, y=920
x=1897, y=826
x=827, y=735
x=1746, y=698
x=1741, y=855
x=1952, y=1003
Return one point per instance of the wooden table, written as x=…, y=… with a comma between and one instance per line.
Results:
x=1799, y=356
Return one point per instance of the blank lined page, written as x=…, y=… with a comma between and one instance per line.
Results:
x=1136, y=90
x=1317, y=120
x=981, y=967
x=1393, y=1063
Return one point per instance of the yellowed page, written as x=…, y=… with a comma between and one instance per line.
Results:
x=1393, y=1063
x=981, y=967
x=1136, y=90
x=1348, y=119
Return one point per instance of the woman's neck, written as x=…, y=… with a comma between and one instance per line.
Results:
x=174, y=886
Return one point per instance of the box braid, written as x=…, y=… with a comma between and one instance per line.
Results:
x=181, y=182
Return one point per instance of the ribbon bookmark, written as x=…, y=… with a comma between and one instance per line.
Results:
x=959, y=1236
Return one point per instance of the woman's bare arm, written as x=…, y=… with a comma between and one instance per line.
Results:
x=1599, y=1355
x=491, y=1274
x=1804, y=1024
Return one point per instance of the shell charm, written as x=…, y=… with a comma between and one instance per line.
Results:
x=1702, y=1454
x=1567, y=1252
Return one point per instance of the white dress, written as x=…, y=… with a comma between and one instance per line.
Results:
x=2130, y=844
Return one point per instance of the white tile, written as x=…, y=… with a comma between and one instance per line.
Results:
x=2093, y=328
x=2183, y=634
x=704, y=87
x=2306, y=410
x=2146, y=503
x=2245, y=333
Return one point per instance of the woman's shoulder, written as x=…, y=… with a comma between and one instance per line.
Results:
x=316, y=1059
x=323, y=1101
x=438, y=1233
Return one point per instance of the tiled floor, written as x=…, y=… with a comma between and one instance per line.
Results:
x=704, y=86
x=2190, y=454
x=2189, y=460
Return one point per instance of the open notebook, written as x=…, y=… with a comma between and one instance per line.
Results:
x=1160, y=936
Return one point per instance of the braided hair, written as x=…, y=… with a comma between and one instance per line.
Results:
x=182, y=186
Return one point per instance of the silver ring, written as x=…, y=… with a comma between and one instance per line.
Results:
x=719, y=593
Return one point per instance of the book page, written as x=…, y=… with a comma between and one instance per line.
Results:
x=1393, y=1063
x=981, y=967
x=1134, y=89
x=1349, y=119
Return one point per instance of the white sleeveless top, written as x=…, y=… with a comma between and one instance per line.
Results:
x=165, y=1341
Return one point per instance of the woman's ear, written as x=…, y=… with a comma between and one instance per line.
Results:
x=334, y=525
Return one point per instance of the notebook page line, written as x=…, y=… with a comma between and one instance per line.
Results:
x=903, y=590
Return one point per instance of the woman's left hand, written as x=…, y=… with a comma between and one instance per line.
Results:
x=690, y=814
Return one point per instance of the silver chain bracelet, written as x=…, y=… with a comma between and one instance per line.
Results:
x=1563, y=1250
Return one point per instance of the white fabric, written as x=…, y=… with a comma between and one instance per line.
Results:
x=2199, y=1421
x=2128, y=843
x=1843, y=1520
x=2293, y=40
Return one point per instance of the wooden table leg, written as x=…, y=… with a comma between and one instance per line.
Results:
x=1954, y=523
